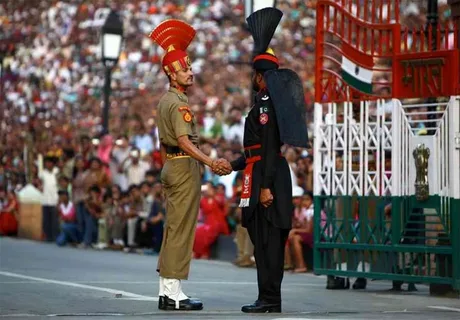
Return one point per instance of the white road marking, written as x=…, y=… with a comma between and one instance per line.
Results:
x=156, y=282
x=22, y=315
x=445, y=308
x=219, y=314
x=124, y=294
x=235, y=283
x=305, y=319
x=19, y=315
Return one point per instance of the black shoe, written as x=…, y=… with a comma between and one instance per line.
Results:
x=337, y=283
x=411, y=287
x=360, y=283
x=184, y=305
x=397, y=286
x=161, y=302
x=261, y=307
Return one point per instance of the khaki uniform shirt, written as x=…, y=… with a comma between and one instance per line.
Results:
x=175, y=118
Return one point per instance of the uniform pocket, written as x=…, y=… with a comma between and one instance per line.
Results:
x=165, y=172
x=176, y=171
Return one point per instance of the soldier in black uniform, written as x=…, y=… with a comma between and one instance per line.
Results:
x=266, y=198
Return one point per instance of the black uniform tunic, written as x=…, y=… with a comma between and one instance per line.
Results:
x=267, y=227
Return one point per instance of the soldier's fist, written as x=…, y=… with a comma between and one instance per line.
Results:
x=266, y=197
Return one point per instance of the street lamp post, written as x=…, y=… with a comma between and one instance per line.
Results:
x=112, y=37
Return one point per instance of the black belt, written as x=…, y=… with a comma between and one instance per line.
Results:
x=173, y=149
x=249, y=153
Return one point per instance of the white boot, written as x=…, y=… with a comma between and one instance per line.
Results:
x=161, y=291
x=367, y=267
x=342, y=267
x=173, y=290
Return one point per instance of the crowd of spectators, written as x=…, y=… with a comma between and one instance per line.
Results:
x=104, y=190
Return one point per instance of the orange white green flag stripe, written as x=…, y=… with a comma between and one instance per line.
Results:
x=357, y=68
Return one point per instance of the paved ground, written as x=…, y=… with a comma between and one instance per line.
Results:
x=40, y=280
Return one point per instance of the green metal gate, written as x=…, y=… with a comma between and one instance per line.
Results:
x=369, y=221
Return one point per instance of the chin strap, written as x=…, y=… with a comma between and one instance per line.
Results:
x=179, y=87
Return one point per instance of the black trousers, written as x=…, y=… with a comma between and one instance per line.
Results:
x=50, y=223
x=269, y=244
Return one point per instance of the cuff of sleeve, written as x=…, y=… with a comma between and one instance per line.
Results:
x=183, y=132
x=267, y=184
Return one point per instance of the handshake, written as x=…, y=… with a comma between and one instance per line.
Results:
x=221, y=167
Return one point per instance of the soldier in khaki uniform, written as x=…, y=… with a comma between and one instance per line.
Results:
x=181, y=173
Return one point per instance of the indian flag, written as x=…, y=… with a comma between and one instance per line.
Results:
x=357, y=68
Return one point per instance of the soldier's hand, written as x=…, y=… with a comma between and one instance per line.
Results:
x=221, y=167
x=266, y=197
x=226, y=167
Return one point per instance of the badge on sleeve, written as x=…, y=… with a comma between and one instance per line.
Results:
x=263, y=118
x=187, y=117
x=187, y=114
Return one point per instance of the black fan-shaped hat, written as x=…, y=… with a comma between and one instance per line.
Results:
x=262, y=25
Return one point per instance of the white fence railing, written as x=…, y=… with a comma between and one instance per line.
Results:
x=366, y=148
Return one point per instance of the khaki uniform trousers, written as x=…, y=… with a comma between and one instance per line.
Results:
x=181, y=181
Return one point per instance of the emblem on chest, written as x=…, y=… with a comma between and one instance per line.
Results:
x=263, y=118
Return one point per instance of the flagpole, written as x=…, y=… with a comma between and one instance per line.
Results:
x=348, y=93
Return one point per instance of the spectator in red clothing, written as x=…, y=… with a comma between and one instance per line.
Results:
x=9, y=214
x=213, y=222
x=68, y=217
x=104, y=150
x=86, y=150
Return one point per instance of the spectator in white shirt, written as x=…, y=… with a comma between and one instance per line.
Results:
x=135, y=168
x=233, y=132
x=119, y=154
x=48, y=174
x=143, y=141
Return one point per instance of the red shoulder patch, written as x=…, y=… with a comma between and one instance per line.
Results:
x=187, y=114
x=185, y=108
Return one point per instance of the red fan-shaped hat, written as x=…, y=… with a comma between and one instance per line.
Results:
x=174, y=36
